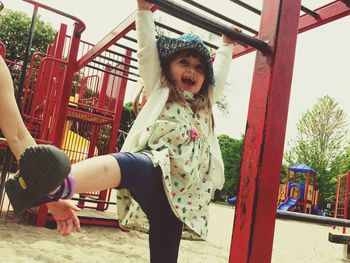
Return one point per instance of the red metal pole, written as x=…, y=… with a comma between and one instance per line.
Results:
x=59, y=44
x=337, y=198
x=306, y=191
x=127, y=25
x=82, y=26
x=314, y=180
x=68, y=83
x=119, y=105
x=121, y=30
x=327, y=13
x=253, y=230
x=287, y=184
x=103, y=90
x=346, y=198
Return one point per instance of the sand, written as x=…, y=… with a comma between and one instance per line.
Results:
x=293, y=242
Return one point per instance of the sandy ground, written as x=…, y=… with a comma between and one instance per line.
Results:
x=294, y=242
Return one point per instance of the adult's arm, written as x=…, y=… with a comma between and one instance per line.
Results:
x=11, y=123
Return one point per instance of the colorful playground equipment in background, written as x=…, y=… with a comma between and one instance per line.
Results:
x=298, y=196
x=341, y=208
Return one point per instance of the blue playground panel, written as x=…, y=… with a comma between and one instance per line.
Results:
x=232, y=200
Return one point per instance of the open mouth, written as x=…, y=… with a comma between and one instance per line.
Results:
x=188, y=81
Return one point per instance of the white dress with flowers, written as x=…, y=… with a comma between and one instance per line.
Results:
x=176, y=139
x=177, y=142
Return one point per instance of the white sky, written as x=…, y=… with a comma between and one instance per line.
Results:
x=321, y=64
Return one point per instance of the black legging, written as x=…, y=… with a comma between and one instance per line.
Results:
x=145, y=185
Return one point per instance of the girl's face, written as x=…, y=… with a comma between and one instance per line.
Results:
x=188, y=72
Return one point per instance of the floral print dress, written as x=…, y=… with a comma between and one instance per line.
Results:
x=178, y=143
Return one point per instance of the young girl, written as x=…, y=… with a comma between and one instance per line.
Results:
x=170, y=163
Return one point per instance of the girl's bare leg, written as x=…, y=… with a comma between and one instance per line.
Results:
x=95, y=174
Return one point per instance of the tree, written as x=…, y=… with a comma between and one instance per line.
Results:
x=344, y=161
x=320, y=143
x=14, y=30
x=231, y=150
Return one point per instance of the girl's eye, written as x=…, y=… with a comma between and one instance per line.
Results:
x=183, y=62
x=200, y=68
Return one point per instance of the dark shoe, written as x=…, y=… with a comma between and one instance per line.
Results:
x=41, y=170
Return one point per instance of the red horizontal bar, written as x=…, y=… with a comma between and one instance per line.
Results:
x=117, y=33
x=79, y=21
x=327, y=13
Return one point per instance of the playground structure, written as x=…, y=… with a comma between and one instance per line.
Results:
x=302, y=197
x=96, y=77
x=341, y=208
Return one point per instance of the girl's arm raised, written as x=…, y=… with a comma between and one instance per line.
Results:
x=149, y=64
x=222, y=62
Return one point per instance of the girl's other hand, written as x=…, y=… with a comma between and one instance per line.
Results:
x=143, y=5
x=227, y=40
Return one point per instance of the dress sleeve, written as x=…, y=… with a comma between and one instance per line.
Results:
x=221, y=67
x=148, y=60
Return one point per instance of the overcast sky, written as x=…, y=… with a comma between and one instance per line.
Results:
x=321, y=64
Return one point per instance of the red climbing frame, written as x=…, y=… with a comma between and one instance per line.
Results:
x=341, y=208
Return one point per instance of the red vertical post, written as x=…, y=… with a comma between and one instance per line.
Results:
x=58, y=127
x=337, y=198
x=314, y=180
x=59, y=43
x=306, y=191
x=253, y=230
x=101, y=93
x=119, y=104
x=295, y=176
x=346, y=198
x=294, y=180
x=103, y=90
x=287, y=185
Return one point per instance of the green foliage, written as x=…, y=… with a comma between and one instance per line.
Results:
x=128, y=118
x=343, y=162
x=14, y=31
x=284, y=171
x=231, y=150
x=320, y=143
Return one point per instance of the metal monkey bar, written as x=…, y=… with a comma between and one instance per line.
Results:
x=216, y=27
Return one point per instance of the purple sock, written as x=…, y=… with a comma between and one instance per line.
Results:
x=65, y=191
